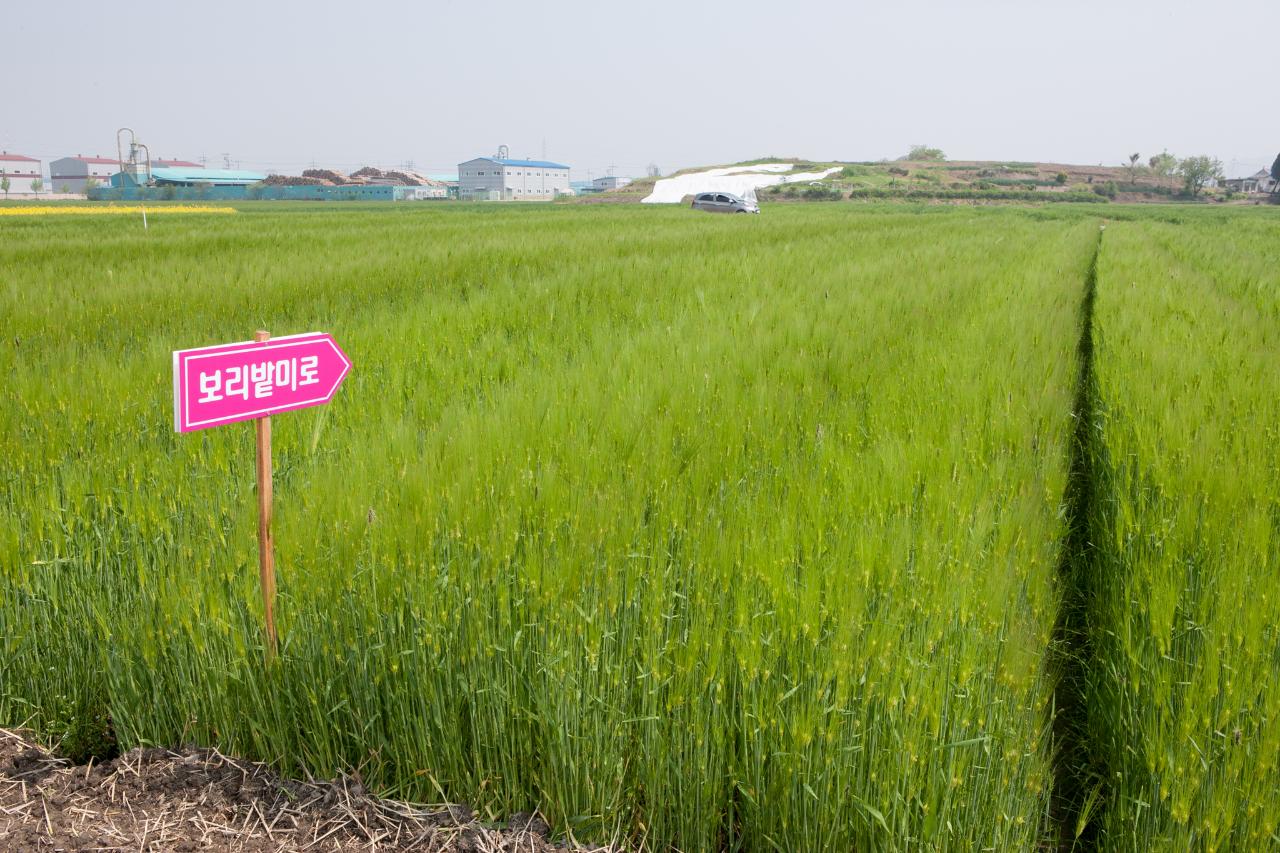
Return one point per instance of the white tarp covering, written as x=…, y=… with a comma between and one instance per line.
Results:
x=739, y=180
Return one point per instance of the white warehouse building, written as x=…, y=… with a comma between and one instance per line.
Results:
x=494, y=179
x=609, y=182
x=20, y=171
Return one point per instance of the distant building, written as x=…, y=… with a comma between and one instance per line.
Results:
x=609, y=182
x=433, y=190
x=450, y=183
x=70, y=174
x=491, y=179
x=177, y=176
x=20, y=171
x=1259, y=182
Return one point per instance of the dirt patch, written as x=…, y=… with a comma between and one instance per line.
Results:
x=201, y=800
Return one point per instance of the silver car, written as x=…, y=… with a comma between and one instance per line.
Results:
x=723, y=203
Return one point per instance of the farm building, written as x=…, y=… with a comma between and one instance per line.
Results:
x=21, y=172
x=609, y=182
x=1259, y=182
x=493, y=179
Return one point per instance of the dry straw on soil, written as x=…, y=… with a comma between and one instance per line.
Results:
x=159, y=800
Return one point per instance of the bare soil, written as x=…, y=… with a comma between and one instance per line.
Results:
x=201, y=800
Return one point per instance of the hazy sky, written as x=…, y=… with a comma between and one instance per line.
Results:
x=278, y=85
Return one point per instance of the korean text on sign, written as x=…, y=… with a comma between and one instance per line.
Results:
x=227, y=383
x=258, y=380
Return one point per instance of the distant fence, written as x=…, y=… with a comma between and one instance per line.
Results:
x=254, y=192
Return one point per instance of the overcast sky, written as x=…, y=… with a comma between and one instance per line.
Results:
x=280, y=85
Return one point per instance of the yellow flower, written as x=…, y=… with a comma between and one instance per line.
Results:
x=107, y=210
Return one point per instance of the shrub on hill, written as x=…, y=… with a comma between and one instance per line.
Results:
x=821, y=192
x=973, y=193
x=924, y=152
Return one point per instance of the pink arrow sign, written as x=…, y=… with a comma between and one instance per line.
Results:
x=220, y=385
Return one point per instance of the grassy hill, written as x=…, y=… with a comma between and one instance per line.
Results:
x=956, y=180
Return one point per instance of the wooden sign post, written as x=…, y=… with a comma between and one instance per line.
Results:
x=266, y=548
x=253, y=380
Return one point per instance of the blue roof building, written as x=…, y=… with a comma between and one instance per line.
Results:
x=502, y=179
x=543, y=164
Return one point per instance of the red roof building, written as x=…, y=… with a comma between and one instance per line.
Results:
x=20, y=171
x=72, y=174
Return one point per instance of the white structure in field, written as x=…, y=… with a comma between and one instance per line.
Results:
x=494, y=179
x=20, y=171
x=739, y=180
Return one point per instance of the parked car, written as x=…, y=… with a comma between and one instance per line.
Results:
x=723, y=203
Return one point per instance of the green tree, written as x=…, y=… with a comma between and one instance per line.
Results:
x=1060, y=179
x=1133, y=166
x=90, y=183
x=4, y=183
x=924, y=152
x=37, y=185
x=1275, y=174
x=1198, y=171
x=1163, y=165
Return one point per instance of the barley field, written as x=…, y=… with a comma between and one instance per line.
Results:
x=690, y=532
x=1187, y=455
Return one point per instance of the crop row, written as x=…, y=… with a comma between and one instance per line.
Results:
x=1185, y=675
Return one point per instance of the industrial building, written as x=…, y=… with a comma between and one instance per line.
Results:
x=21, y=172
x=609, y=182
x=71, y=174
x=125, y=189
x=186, y=176
x=500, y=179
